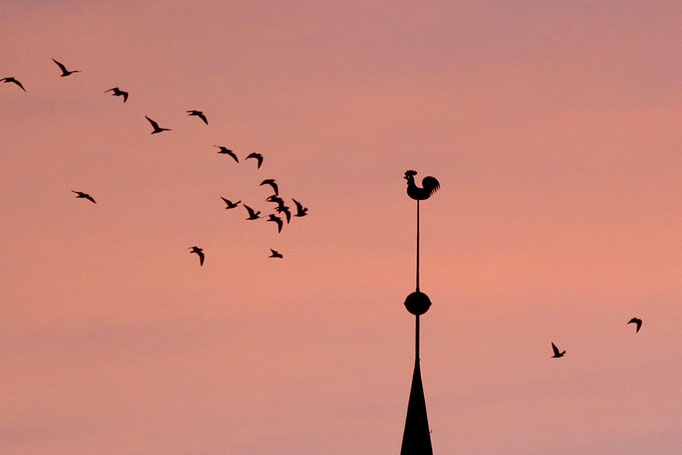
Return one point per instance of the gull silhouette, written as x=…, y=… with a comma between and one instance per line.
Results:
x=636, y=321
x=65, y=72
x=257, y=156
x=253, y=215
x=272, y=183
x=277, y=220
x=8, y=80
x=430, y=185
x=225, y=151
x=230, y=204
x=199, y=252
x=198, y=114
x=156, y=127
x=275, y=254
x=557, y=354
x=300, y=210
x=118, y=92
x=80, y=194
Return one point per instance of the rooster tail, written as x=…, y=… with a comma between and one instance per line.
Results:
x=430, y=184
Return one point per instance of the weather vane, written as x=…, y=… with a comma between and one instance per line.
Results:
x=417, y=436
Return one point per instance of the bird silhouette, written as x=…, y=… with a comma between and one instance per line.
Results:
x=285, y=210
x=80, y=194
x=257, y=156
x=557, y=354
x=430, y=186
x=156, y=127
x=198, y=114
x=275, y=254
x=230, y=204
x=636, y=321
x=277, y=220
x=118, y=92
x=272, y=183
x=65, y=72
x=8, y=80
x=253, y=214
x=199, y=252
x=300, y=210
x=225, y=151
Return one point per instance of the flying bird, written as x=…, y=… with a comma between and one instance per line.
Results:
x=8, y=80
x=277, y=220
x=156, y=127
x=253, y=215
x=557, y=354
x=636, y=321
x=275, y=254
x=199, y=252
x=300, y=210
x=430, y=186
x=80, y=194
x=198, y=114
x=118, y=92
x=225, y=151
x=272, y=183
x=65, y=72
x=284, y=209
x=230, y=204
x=257, y=156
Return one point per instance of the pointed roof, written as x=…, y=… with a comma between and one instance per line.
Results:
x=416, y=437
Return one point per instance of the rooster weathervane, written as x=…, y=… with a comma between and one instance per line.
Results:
x=417, y=437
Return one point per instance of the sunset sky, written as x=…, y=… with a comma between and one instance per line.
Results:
x=552, y=126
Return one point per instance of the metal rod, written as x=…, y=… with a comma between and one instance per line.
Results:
x=417, y=248
x=416, y=340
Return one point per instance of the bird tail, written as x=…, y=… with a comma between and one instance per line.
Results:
x=430, y=184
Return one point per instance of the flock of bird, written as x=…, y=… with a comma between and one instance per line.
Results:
x=281, y=213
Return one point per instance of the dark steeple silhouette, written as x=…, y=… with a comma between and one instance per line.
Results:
x=417, y=436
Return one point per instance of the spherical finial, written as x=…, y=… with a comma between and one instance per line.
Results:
x=417, y=303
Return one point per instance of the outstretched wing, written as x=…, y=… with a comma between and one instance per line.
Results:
x=555, y=349
x=61, y=66
x=154, y=124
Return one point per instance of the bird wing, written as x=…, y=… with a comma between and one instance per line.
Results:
x=555, y=349
x=154, y=124
x=201, y=257
x=89, y=198
x=61, y=66
x=11, y=79
x=125, y=96
x=202, y=117
x=249, y=209
x=299, y=206
x=111, y=90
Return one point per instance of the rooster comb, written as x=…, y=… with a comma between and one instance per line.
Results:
x=410, y=173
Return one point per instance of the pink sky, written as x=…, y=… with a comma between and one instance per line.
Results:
x=553, y=127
